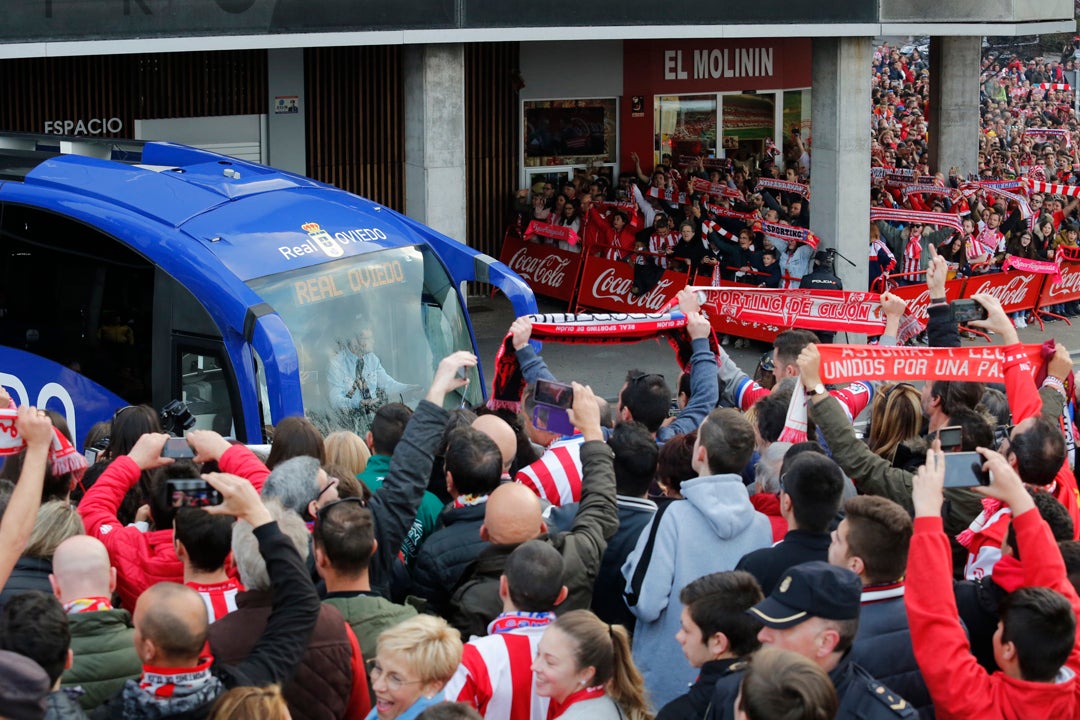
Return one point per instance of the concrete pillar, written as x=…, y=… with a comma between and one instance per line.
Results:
x=954, y=104
x=286, y=131
x=840, y=153
x=435, y=137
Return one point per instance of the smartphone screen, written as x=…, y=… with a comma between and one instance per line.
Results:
x=964, y=469
x=177, y=448
x=553, y=393
x=950, y=437
x=193, y=492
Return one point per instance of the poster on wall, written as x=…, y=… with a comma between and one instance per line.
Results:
x=561, y=132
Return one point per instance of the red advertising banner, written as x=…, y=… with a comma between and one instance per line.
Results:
x=847, y=363
x=1016, y=290
x=1068, y=290
x=831, y=310
x=606, y=284
x=917, y=297
x=548, y=270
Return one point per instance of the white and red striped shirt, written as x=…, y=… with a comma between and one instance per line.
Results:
x=661, y=244
x=987, y=242
x=220, y=598
x=556, y=476
x=495, y=676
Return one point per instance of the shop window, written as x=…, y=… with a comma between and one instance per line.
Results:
x=748, y=121
x=570, y=132
x=685, y=125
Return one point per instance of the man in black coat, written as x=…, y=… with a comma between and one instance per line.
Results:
x=717, y=635
x=822, y=278
x=810, y=491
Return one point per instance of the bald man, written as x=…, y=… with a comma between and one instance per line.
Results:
x=512, y=517
x=83, y=581
x=171, y=627
x=504, y=436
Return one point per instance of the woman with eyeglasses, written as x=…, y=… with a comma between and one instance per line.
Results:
x=413, y=662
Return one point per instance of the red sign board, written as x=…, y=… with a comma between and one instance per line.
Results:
x=1068, y=290
x=918, y=297
x=548, y=270
x=1016, y=290
x=606, y=285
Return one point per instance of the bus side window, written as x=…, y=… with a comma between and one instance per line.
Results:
x=205, y=390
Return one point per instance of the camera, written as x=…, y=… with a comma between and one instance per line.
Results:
x=176, y=418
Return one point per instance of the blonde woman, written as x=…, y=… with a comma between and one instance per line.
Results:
x=413, y=662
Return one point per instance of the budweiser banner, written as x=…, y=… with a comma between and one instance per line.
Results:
x=790, y=232
x=548, y=270
x=916, y=216
x=552, y=232
x=835, y=310
x=783, y=186
x=711, y=189
x=1043, y=267
x=848, y=363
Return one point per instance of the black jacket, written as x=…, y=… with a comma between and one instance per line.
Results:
x=883, y=648
x=446, y=553
x=276, y=654
x=864, y=698
x=797, y=547
x=29, y=573
x=979, y=605
x=394, y=507
x=718, y=678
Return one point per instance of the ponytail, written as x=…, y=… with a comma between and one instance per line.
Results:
x=626, y=686
x=606, y=648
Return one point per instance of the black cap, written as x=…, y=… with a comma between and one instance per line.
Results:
x=821, y=256
x=23, y=687
x=814, y=589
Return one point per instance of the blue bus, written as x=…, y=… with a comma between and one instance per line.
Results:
x=136, y=272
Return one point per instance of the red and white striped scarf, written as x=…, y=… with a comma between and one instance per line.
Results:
x=1054, y=86
x=1053, y=188
x=711, y=189
x=668, y=195
x=790, y=232
x=916, y=216
x=784, y=186
x=912, y=252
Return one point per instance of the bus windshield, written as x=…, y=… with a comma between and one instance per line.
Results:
x=369, y=329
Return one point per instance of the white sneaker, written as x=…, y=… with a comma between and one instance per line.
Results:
x=1020, y=323
x=724, y=340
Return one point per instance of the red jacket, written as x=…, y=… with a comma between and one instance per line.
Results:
x=958, y=685
x=769, y=505
x=145, y=558
x=1024, y=400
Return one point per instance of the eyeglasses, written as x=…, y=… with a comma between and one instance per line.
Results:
x=320, y=514
x=331, y=483
x=121, y=411
x=393, y=681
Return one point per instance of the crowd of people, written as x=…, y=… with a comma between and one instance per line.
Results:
x=725, y=221
x=694, y=550
x=678, y=555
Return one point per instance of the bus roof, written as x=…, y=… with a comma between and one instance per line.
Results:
x=257, y=220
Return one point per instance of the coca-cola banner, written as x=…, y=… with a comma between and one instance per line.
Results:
x=548, y=270
x=917, y=298
x=606, y=285
x=1016, y=290
x=1068, y=290
x=831, y=310
x=847, y=363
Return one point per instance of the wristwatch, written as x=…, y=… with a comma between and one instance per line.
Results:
x=818, y=389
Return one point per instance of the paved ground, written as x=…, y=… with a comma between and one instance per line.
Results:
x=604, y=366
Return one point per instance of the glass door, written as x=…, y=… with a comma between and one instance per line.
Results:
x=685, y=126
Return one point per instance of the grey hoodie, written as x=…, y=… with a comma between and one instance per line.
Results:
x=707, y=532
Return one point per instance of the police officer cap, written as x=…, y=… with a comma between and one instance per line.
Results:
x=821, y=256
x=814, y=589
